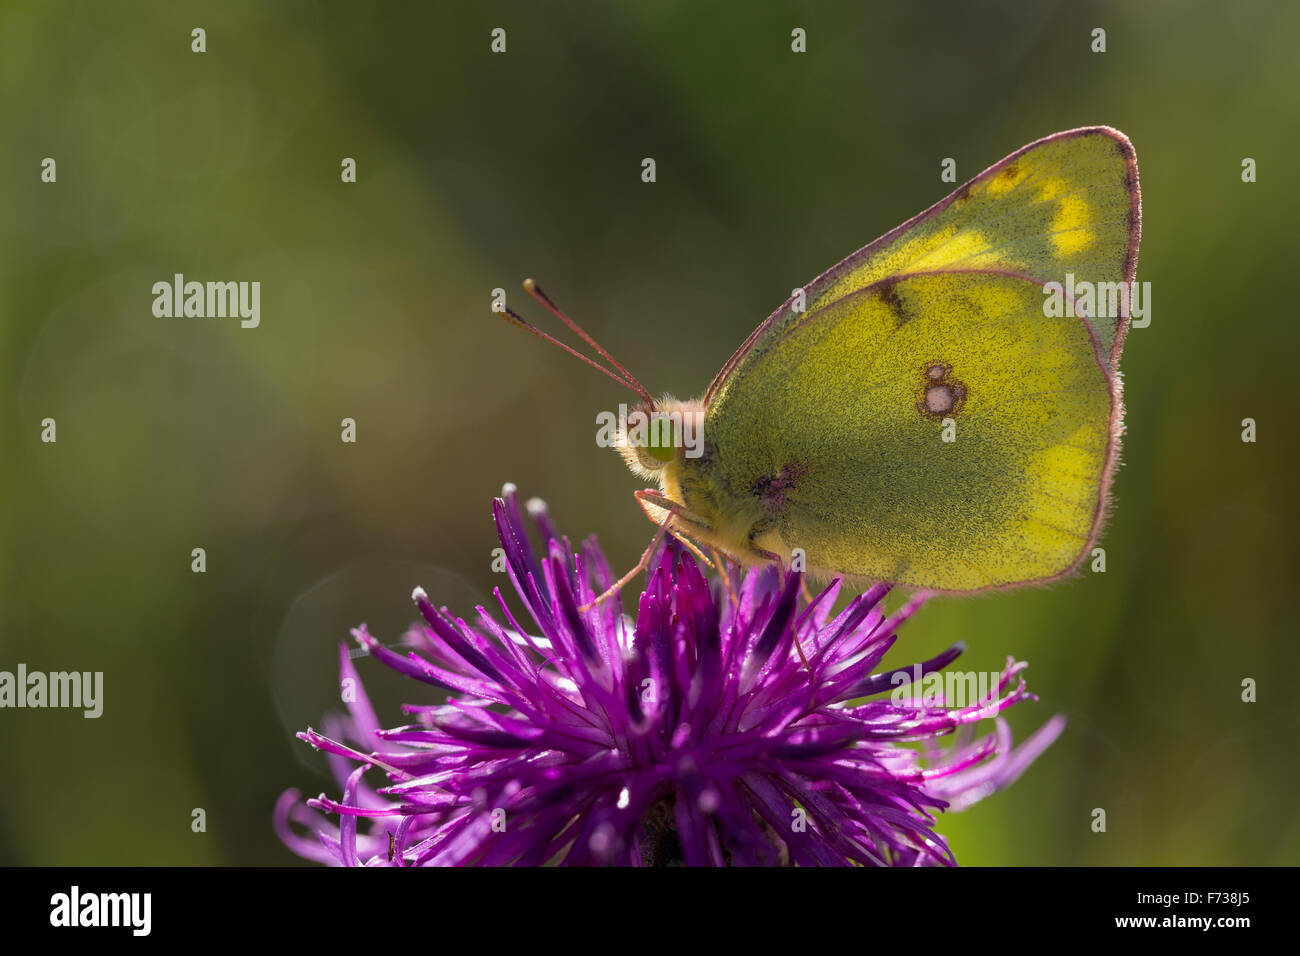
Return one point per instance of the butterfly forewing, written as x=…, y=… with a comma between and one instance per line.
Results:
x=1068, y=204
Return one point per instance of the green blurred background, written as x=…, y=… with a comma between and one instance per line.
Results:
x=476, y=170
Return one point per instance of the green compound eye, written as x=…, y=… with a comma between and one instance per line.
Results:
x=662, y=444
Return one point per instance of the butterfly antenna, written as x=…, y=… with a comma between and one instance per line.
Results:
x=533, y=289
x=514, y=318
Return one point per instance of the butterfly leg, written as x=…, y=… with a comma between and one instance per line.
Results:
x=621, y=582
x=650, y=499
x=774, y=557
x=807, y=595
x=672, y=509
x=720, y=563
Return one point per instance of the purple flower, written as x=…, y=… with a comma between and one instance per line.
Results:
x=729, y=723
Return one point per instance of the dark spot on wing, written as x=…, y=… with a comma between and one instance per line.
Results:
x=772, y=489
x=1011, y=172
x=889, y=295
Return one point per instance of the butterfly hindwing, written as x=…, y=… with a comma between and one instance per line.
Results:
x=933, y=430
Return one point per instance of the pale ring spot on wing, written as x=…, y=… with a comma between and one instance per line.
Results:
x=939, y=399
x=941, y=394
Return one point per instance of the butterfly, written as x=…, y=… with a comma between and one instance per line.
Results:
x=919, y=414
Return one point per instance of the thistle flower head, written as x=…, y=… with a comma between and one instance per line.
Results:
x=730, y=721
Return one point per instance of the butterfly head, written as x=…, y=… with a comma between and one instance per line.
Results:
x=654, y=436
